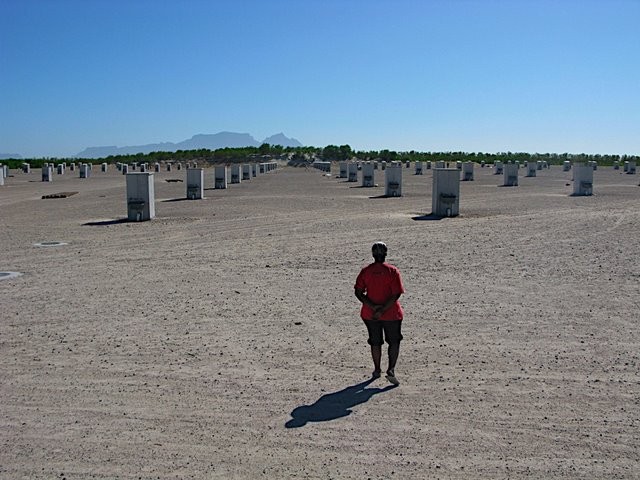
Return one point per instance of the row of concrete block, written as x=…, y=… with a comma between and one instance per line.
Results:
x=446, y=184
x=141, y=193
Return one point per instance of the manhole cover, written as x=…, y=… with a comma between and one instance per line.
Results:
x=49, y=244
x=9, y=275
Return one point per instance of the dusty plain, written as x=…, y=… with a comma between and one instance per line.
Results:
x=222, y=339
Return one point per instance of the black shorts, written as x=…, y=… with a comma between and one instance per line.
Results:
x=391, y=328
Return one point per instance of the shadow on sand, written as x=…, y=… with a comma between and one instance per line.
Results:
x=430, y=216
x=106, y=222
x=334, y=405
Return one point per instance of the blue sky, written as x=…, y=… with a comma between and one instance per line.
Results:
x=457, y=75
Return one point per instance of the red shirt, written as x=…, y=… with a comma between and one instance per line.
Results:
x=380, y=281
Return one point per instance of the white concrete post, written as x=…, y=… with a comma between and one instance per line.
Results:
x=445, y=196
x=367, y=174
x=510, y=175
x=220, y=177
x=156, y=167
x=246, y=172
x=582, y=179
x=140, y=197
x=60, y=169
x=531, y=169
x=47, y=173
x=566, y=166
x=254, y=170
x=343, y=170
x=498, y=167
x=236, y=176
x=418, y=168
x=125, y=169
x=104, y=167
x=393, y=180
x=352, y=172
x=467, y=171
x=632, y=168
x=84, y=171
x=195, y=183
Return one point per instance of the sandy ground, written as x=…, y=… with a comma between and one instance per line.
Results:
x=223, y=340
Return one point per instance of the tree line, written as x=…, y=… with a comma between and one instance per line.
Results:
x=302, y=155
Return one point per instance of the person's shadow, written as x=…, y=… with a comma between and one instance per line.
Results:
x=334, y=405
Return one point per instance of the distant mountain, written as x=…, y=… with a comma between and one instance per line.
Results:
x=208, y=141
x=280, y=139
x=7, y=156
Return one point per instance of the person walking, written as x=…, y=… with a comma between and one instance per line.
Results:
x=378, y=287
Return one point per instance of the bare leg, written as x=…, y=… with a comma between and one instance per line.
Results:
x=376, y=355
x=394, y=352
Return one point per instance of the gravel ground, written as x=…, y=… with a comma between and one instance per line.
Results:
x=223, y=339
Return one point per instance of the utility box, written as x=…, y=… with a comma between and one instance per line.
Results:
x=236, y=174
x=104, y=167
x=498, y=168
x=367, y=174
x=343, y=170
x=531, y=169
x=61, y=169
x=429, y=165
x=47, y=173
x=511, y=175
x=246, y=172
x=582, y=179
x=439, y=164
x=254, y=170
x=631, y=170
x=156, y=167
x=140, y=197
x=143, y=167
x=393, y=180
x=445, y=196
x=566, y=166
x=418, y=170
x=352, y=172
x=125, y=169
x=467, y=171
x=220, y=177
x=195, y=183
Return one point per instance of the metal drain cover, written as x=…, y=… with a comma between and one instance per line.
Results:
x=49, y=244
x=9, y=275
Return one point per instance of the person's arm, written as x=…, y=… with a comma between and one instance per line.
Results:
x=377, y=312
x=362, y=296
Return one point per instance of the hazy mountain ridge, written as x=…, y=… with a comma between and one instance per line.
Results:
x=208, y=141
